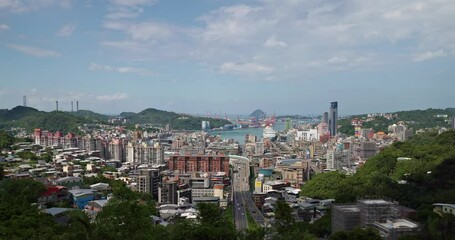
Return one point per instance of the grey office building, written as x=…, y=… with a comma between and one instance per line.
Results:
x=325, y=117
x=333, y=118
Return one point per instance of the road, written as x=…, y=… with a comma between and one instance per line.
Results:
x=243, y=201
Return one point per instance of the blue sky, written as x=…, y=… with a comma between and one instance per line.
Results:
x=287, y=57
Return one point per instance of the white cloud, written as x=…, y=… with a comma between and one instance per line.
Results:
x=272, y=42
x=66, y=30
x=132, y=3
x=429, y=55
x=142, y=31
x=4, y=27
x=112, y=97
x=137, y=71
x=248, y=68
x=34, y=51
x=125, y=9
x=292, y=36
x=21, y=6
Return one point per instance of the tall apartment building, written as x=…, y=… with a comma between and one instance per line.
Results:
x=365, y=150
x=167, y=191
x=199, y=163
x=57, y=139
x=145, y=153
x=337, y=159
x=333, y=118
x=148, y=181
x=117, y=149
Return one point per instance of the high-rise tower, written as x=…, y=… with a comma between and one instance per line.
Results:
x=333, y=118
x=325, y=117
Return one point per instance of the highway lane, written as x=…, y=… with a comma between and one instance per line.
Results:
x=240, y=220
x=243, y=200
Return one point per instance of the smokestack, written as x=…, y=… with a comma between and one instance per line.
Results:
x=25, y=101
x=56, y=105
x=71, y=106
x=77, y=106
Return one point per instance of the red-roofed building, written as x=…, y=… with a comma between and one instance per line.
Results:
x=54, y=194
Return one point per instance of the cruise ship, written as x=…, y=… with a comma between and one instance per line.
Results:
x=269, y=132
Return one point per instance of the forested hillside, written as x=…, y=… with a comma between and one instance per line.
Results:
x=416, y=119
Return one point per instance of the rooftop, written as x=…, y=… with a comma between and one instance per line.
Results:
x=398, y=223
x=374, y=201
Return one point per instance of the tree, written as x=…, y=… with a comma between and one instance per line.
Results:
x=442, y=226
x=212, y=225
x=357, y=234
x=19, y=219
x=283, y=217
x=123, y=219
x=6, y=140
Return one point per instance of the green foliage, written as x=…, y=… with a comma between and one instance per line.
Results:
x=123, y=219
x=416, y=119
x=329, y=185
x=30, y=118
x=441, y=226
x=27, y=155
x=5, y=140
x=19, y=219
x=177, y=121
x=283, y=217
x=428, y=174
x=91, y=115
x=357, y=234
x=322, y=226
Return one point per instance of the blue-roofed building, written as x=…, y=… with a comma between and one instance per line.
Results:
x=267, y=172
x=81, y=197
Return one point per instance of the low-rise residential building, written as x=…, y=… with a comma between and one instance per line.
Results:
x=444, y=208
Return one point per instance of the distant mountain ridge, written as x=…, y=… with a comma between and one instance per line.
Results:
x=31, y=118
x=416, y=119
x=258, y=114
x=176, y=120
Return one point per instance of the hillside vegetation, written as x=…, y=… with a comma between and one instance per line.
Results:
x=30, y=118
x=416, y=119
x=177, y=121
x=428, y=176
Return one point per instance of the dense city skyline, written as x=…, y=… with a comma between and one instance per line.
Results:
x=290, y=57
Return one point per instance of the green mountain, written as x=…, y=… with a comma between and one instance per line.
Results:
x=16, y=113
x=30, y=118
x=416, y=119
x=91, y=115
x=425, y=179
x=127, y=114
x=177, y=121
x=258, y=114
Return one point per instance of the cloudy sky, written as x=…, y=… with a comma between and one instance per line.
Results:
x=220, y=56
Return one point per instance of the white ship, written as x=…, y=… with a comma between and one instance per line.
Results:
x=268, y=132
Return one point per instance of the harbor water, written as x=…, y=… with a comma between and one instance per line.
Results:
x=239, y=134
